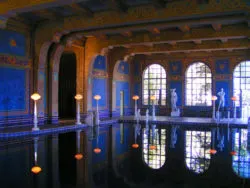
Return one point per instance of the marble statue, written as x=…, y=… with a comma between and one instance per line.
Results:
x=175, y=112
x=222, y=99
x=174, y=99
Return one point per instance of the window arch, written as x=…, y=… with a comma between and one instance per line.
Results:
x=198, y=85
x=197, y=146
x=154, y=158
x=154, y=83
x=241, y=81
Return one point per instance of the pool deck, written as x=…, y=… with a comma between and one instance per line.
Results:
x=67, y=126
x=166, y=120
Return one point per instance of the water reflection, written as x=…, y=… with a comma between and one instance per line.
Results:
x=197, y=156
x=154, y=157
x=241, y=161
x=180, y=155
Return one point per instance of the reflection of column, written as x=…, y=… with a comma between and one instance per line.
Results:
x=80, y=167
x=153, y=98
x=55, y=161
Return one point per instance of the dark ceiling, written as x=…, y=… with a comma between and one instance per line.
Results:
x=85, y=8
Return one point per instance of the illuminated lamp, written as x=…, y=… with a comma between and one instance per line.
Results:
x=233, y=153
x=36, y=169
x=152, y=147
x=135, y=146
x=78, y=156
x=212, y=151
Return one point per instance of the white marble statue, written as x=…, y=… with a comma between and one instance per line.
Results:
x=138, y=113
x=222, y=99
x=174, y=99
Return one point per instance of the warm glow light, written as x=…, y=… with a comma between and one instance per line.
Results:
x=78, y=97
x=234, y=98
x=152, y=97
x=212, y=151
x=135, y=146
x=135, y=97
x=152, y=147
x=97, y=150
x=214, y=98
x=35, y=96
x=97, y=97
x=78, y=156
x=36, y=169
x=233, y=153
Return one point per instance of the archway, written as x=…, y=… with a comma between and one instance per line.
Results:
x=67, y=86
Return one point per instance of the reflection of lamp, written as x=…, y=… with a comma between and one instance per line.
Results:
x=213, y=151
x=36, y=169
x=233, y=153
x=78, y=97
x=35, y=97
x=97, y=150
x=214, y=98
x=152, y=145
x=136, y=132
x=234, y=99
x=135, y=98
x=153, y=98
x=78, y=155
x=97, y=98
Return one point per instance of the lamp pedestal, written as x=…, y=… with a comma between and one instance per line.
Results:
x=78, y=117
x=35, y=128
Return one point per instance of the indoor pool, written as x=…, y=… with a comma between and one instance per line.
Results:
x=129, y=155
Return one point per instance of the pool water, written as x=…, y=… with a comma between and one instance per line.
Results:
x=130, y=155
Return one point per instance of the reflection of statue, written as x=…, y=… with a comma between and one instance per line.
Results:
x=138, y=113
x=222, y=98
x=174, y=98
x=173, y=137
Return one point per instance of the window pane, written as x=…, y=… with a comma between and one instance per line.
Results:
x=154, y=83
x=198, y=85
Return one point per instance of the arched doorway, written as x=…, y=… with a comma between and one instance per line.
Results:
x=67, y=86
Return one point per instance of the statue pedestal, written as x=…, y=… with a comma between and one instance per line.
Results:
x=175, y=113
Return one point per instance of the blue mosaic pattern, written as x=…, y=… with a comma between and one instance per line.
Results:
x=12, y=43
x=100, y=63
x=123, y=67
x=222, y=66
x=175, y=68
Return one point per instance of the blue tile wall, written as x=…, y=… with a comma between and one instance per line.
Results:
x=175, y=68
x=12, y=89
x=99, y=87
x=122, y=86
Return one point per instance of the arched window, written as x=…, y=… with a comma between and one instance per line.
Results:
x=154, y=158
x=154, y=83
x=241, y=161
x=241, y=79
x=197, y=156
x=198, y=85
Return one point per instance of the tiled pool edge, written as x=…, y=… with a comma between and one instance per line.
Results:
x=54, y=130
